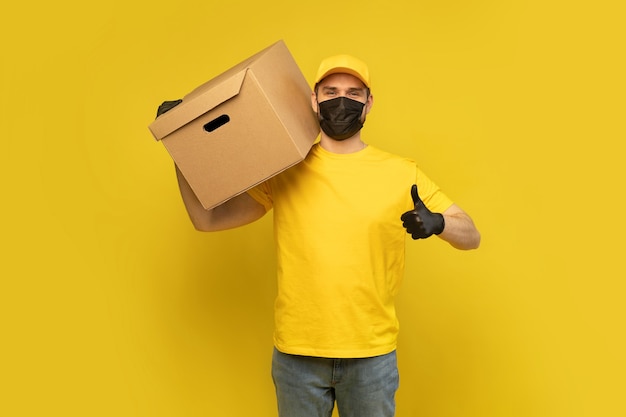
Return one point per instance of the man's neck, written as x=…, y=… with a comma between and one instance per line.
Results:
x=350, y=145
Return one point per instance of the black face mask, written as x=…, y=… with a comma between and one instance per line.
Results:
x=340, y=118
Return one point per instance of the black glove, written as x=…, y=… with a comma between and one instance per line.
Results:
x=420, y=222
x=167, y=106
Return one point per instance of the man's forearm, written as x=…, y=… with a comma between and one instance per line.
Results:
x=460, y=231
x=236, y=212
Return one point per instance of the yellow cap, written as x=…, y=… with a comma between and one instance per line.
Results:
x=343, y=64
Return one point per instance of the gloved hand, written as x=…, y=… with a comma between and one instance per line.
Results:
x=420, y=222
x=167, y=106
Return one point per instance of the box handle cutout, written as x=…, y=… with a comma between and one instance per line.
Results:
x=217, y=123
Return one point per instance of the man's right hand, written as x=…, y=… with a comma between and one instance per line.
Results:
x=167, y=106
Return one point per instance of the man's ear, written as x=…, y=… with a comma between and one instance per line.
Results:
x=369, y=103
x=314, y=101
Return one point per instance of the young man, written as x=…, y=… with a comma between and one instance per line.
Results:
x=341, y=217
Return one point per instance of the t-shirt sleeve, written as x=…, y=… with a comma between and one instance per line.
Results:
x=262, y=194
x=432, y=196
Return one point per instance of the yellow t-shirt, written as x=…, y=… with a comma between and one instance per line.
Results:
x=340, y=249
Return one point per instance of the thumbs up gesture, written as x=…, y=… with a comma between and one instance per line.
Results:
x=420, y=222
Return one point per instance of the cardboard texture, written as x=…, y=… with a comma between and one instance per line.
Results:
x=242, y=127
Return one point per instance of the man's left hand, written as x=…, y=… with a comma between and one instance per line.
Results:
x=420, y=222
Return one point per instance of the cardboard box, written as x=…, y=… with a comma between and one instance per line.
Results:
x=246, y=125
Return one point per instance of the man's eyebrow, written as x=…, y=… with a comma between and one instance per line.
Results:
x=350, y=89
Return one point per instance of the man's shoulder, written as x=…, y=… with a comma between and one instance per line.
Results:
x=384, y=155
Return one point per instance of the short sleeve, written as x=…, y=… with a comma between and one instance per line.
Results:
x=432, y=196
x=262, y=194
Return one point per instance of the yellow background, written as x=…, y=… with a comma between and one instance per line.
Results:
x=112, y=305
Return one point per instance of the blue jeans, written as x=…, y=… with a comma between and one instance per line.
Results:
x=309, y=386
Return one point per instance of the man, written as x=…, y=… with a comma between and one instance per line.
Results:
x=340, y=218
